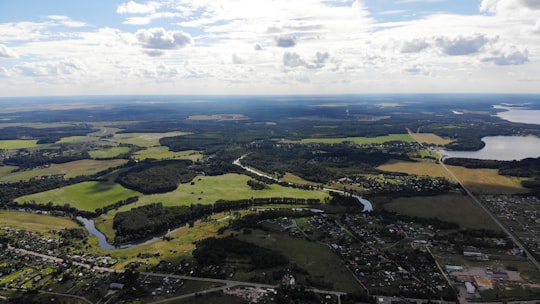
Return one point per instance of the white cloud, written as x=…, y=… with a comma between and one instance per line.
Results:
x=66, y=21
x=461, y=45
x=161, y=39
x=285, y=41
x=293, y=60
x=6, y=52
x=509, y=56
x=133, y=7
x=414, y=46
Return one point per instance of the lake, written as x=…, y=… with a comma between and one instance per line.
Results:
x=502, y=148
x=519, y=114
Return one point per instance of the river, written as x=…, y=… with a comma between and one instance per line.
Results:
x=501, y=148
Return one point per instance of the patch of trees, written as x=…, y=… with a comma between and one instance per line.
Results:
x=480, y=238
x=215, y=251
x=318, y=163
x=25, y=159
x=45, y=135
x=390, y=217
x=253, y=220
x=157, y=177
x=343, y=200
x=255, y=185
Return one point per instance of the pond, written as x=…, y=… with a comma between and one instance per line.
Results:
x=501, y=148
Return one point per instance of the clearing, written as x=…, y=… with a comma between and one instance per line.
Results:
x=361, y=140
x=35, y=222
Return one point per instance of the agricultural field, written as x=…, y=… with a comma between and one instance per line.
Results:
x=209, y=189
x=34, y=222
x=86, y=196
x=143, y=139
x=70, y=169
x=487, y=181
x=109, y=152
x=160, y=152
x=73, y=138
x=315, y=257
x=430, y=139
x=361, y=140
x=291, y=178
x=424, y=168
x=456, y=208
x=12, y=144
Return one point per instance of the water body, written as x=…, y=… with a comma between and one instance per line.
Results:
x=519, y=114
x=102, y=240
x=502, y=148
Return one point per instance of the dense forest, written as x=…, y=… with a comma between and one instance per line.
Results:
x=157, y=177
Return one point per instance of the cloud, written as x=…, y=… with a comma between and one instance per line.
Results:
x=414, y=46
x=508, y=6
x=286, y=41
x=237, y=60
x=133, y=7
x=66, y=21
x=509, y=56
x=462, y=45
x=293, y=60
x=160, y=39
x=51, y=69
x=5, y=52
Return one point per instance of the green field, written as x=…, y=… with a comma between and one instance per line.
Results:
x=160, y=152
x=71, y=139
x=70, y=169
x=454, y=208
x=315, y=257
x=83, y=196
x=18, y=144
x=361, y=140
x=209, y=189
x=34, y=222
x=109, y=152
x=143, y=139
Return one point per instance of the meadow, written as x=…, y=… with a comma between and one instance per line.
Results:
x=361, y=140
x=455, y=208
x=34, y=222
x=161, y=152
x=487, y=181
x=109, y=152
x=425, y=168
x=143, y=139
x=11, y=144
x=86, y=196
x=430, y=138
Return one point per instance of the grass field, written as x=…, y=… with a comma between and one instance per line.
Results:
x=419, y=168
x=34, y=222
x=361, y=140
x=291, y=178
x=160, y=152
x=315, y=257
x=71, y=139
x=70, y=169
x=430, y=138
x=83, y=196
x=18, y=144
x=143, y=139
x=487, y=181
x=209, y=189
x=109, y=152
x=454, y=208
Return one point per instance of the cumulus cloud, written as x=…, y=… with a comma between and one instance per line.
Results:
x=461, y=45
x=5, y=52
x=509, y=56
x=133, y=7
x=160, y=39
x=286, y=41
x=293, y=60
x=50, y=68
x=414, y=46
x=502, y=6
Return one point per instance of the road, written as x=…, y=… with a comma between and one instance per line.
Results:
x=494, y=218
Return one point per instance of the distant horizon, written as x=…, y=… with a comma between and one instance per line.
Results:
x=246, y=47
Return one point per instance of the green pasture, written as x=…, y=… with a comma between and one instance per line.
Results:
x=209, y=189
x=160, y=152
x=83, y=196
x=34, y=222
x=71, y=139
x=143, y=139
x=361, y=140
x=109, y=152
x=18, y=144
x=455, y=208
x=315, y=257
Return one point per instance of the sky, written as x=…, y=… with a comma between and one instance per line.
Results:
x=107, y=47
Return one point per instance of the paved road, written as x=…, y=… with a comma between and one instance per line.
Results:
x=494, y=218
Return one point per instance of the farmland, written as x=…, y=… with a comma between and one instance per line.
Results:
x=485, y=181
x=143, y=139
x=84, y=196
x=160, y=152
x=430, y=139
x=34, y=222
x=18, y=144
x=361, y=140
x=109, y=152
x=425, y=168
